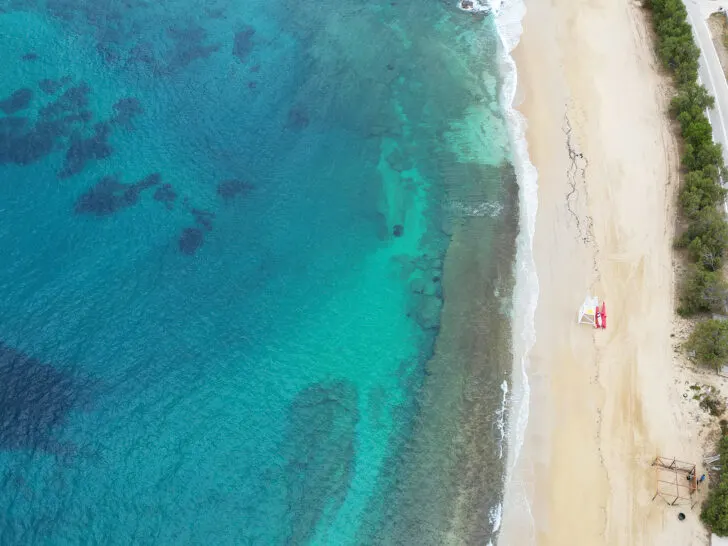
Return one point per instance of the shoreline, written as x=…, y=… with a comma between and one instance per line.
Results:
x=509, y=19
x=603, y=403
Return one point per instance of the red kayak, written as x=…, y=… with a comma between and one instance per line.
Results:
x=604, y=315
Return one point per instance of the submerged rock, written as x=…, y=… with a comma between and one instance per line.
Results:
x=18, y=100
x=165, y=194
x=430, y=289
x=418, y=285
x=23, y=147
x=428, y=312
x=83, y=150
x=125, y=110
x=297, y=118
x=190, y=240
x=35, y=401
x=229, y=189
x=203, y=218
x=243, y=43
x=189, y=45
x=399, y=161
x=319, y=455
x=109, y=195
x=62, y=123
x=73, y=100
x=49, y=87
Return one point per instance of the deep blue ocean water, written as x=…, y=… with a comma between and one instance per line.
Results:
x=222, y=234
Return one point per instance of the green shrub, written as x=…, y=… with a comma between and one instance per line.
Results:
x=709, y=342
x=679, y=54
x=676, y=48
x=706, y=238
x=715, y=508
x=691, y=100
x=702, y=291
x=701, y=190
x=697, y=156
x=698, y=132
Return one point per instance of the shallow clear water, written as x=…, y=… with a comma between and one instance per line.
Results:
x=222, y=231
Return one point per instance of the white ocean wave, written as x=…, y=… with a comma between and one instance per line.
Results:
x=491, y=209
x=508, y=17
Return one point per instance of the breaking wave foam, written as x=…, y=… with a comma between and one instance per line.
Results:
x=486, y=208
x=508, y=18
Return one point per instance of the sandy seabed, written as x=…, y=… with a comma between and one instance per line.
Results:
x=603, y=404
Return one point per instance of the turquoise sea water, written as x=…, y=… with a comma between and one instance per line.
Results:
x=223, y=230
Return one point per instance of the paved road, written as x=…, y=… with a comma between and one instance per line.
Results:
x=710, y=72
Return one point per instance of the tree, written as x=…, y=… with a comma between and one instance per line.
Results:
x=701, y=190
x=715, y=509
x=699, y=155
x=698, y=132
x=706, y=238
x=693, y=99
x=702, y=291
x=709, y=342
x=704, y=253
x=715, y=172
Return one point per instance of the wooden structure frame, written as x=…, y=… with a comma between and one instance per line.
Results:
x=675, y=481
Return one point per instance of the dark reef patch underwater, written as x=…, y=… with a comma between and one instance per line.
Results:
x=35, y=400
x=235, y=217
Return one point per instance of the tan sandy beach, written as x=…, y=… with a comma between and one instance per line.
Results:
x=603, y=403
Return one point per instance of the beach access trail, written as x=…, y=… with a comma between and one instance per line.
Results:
x=603, y=404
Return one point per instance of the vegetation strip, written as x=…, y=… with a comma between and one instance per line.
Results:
x=703, y=288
